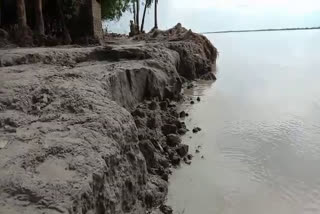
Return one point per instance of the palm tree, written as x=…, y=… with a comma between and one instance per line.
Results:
x=39, y=17
x=146, y=5
x=156, y=14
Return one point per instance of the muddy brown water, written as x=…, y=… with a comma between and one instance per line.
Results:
x=261, y=129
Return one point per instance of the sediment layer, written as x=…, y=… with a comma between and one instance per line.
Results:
x=95, y=129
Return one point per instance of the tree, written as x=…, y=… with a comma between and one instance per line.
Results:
x=146, y=5
x=134, y=12
x=0, y=12
x=66, y=34
x=23, y=34
x=21, y=13
x=113, y=9
x=156, y=14
x=39, y=17
x=138, y=14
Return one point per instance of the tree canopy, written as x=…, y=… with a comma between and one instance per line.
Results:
x=113, y=9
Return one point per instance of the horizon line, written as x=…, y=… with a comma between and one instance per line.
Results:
x=261, y=30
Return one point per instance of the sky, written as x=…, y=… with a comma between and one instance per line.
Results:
x=247, y=6
x=215, y=15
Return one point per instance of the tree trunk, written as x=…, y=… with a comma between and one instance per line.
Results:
x=39, y=17
x=138, y=12
x=0, y=13
x=66, y=35
x=134, y=12
x=23, y=34
x=144, y=16
x=21, y=13
x=156, y=14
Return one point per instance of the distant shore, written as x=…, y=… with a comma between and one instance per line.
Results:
x=261, y=30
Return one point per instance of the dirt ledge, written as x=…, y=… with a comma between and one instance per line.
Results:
x=95, y=130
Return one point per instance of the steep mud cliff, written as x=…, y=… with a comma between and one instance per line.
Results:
x=95, y=129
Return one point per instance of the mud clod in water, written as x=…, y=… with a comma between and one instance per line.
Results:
x=182, y=114
x=182, y=150
x=196, y=130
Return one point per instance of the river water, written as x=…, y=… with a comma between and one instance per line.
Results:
x=261, y=129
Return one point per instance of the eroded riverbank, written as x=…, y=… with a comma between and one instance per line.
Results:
x=68, y=140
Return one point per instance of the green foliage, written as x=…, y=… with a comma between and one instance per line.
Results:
x=113, y=9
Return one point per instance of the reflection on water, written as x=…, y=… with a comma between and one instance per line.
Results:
x=261, y=129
